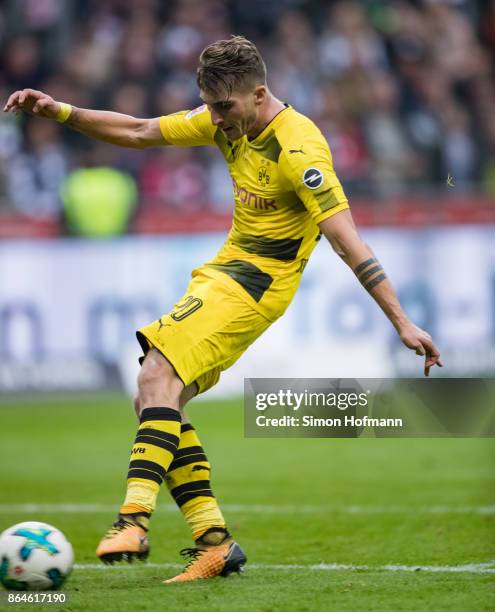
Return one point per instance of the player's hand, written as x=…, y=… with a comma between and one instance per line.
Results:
x=420, y=341
x=33, y=102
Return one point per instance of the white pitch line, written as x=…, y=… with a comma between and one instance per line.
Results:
x=254, y=509
x=469, y=568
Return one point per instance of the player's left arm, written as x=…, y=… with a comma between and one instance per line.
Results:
x=341, y=232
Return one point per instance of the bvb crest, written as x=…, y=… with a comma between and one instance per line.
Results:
x=263, y=173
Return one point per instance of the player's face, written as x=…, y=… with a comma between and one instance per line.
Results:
x=236, y=114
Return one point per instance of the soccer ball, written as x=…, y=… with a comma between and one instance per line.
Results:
x=34, y=556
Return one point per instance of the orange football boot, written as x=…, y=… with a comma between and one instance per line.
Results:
x=124, y=541
x=213, y=561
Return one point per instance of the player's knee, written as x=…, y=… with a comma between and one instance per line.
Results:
x=155, y=370
x=136, y=404
x=187, y=394
x=158, y=382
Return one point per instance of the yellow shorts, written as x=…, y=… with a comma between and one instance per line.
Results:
x=206, y=331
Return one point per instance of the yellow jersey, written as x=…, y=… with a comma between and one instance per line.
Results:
x=284, y=185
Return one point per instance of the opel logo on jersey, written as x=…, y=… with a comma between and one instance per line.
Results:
x=312, y=178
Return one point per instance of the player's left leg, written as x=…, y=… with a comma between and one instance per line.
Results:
x=188, y=480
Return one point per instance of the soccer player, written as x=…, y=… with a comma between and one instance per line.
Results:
x=286, y=195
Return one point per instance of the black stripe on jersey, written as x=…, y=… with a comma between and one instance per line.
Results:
x=283, y=249
x=190, y=490
x=269, y=148
x=327, y=199
x=224, y=145
x=186, y=427
x=159, y=414
x=177, y=463
x=249, y=276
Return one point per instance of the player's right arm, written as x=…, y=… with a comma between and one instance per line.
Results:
x=186, y=129
x=115, y=128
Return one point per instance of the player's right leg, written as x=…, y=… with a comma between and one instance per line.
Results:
x=154, y=448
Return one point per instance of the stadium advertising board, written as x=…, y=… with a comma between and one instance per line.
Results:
x=69, y=309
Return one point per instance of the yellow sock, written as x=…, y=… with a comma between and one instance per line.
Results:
x=188, y=480
x=156, y=443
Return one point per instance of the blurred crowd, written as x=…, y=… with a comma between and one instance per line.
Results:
x=403, y=90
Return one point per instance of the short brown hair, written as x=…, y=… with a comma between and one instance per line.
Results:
x=227, y=65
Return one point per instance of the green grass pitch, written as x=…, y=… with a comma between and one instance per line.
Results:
x=370, y=510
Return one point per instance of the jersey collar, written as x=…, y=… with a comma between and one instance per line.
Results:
x=272, y=124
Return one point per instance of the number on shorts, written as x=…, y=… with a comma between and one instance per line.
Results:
x=188, y=306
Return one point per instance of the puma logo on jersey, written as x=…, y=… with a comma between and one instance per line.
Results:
x=312, y=178
x=162, y=324
x=297, y=151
